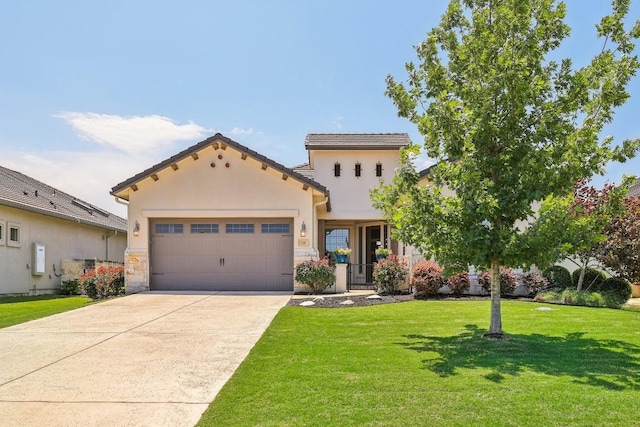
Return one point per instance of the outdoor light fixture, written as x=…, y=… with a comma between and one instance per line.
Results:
x=136, y=229
x=303, y=230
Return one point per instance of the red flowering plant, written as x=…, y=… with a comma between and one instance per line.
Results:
x=103, y=282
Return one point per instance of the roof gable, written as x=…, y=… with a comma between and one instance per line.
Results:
x=223, y=141
x=22, y=192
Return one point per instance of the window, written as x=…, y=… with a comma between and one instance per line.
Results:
x=338, y=238
x=379, y=169
x=13, y=234
x=1, y=232
x=169, y=228
x=358, y=169
x=239, y=228
x=336, y=169
x=275, y=228
x=204, y=228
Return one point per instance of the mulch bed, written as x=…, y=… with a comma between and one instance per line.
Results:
x=361, y=300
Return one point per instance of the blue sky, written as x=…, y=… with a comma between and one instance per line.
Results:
x=92, y=92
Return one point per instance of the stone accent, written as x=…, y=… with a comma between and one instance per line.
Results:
x=74, y=268
x=136, y=271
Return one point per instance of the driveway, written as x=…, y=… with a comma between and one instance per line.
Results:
x=151, y=359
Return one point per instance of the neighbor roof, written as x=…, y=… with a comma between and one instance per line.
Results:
x=22, y=192
x=634, y=189
x=209, y=141
x=356, y=141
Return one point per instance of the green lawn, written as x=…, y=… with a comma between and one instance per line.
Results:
x=14, y=310
x=425, y=363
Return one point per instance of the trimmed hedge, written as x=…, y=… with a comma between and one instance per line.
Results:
x=558, y=277
x=459, y=283
x=592, y=279
x=616, y=291
x=427, y=278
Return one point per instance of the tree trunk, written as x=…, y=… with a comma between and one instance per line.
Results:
x=583, y=268
x=495, y=328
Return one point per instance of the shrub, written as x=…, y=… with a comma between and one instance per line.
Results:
x=558, y=277
x=592, y=279
x=70, y=287
x=103, y=282
x=388, y=274
x=318, y=275
x=535, y=282
x=459, y=283
x=508, y=281
x=427, y=278
x=573, y=297
x=616, y=291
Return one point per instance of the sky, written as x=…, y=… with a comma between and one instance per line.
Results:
x=93, y=92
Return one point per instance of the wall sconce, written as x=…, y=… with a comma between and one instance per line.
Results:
x=303, y=230
x=136, y=229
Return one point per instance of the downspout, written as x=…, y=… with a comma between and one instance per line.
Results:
x=313, y=220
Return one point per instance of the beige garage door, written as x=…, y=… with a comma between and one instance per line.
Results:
x=214, y=254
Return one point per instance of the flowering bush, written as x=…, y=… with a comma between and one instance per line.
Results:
x=427, y=278
x=388, y=274
x=508, y=281
x=318, y=275
x=459, y=283
x=103, y=282
x=535, y=282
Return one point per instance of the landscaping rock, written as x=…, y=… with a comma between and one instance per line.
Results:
x=347, y=302
x=307, y=303
x=544, y=308
x=374, y=297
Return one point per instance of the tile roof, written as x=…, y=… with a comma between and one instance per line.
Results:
x=634, y=189
x=304, y=170
x=229, y=142
x=356, y=141
x=22, y=192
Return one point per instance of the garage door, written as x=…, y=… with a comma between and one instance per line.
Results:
x=230, y=254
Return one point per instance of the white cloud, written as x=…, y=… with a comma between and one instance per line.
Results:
x=131, y=134
x=239, y=132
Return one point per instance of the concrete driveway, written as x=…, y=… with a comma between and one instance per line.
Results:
x=152, y=359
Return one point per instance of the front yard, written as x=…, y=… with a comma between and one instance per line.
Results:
x=424, y=363
x=14, y=310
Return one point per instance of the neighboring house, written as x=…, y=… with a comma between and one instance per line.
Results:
x=220, y=216
x=41, y=226
x=634, y=189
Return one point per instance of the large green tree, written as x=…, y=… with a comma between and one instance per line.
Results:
x=508, y=126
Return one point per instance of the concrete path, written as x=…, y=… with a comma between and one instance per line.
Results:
x=150, y=359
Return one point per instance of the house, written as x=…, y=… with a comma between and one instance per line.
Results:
x=634, y=189
x=41, y=228
x=220, y=216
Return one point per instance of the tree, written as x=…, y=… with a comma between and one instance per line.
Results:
x=621, y=249
x=508, y=127
x=589, y=213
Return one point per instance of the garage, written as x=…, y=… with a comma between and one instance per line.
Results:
x=232, y=254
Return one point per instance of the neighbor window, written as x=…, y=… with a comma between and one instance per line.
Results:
x=275, y=228
x=358, y=169
x=1, y=232
x=169, y=228
x=336, y=169
x=204, y=228
x=13, y=235
x=239, y=228
x=379, y=169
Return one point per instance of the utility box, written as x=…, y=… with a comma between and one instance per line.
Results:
x=38, y=265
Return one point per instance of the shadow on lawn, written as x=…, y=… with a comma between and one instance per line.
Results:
x=611, y=364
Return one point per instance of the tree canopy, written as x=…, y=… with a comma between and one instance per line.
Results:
x=508, y=126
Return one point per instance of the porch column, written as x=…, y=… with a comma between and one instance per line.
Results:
x=341, y=278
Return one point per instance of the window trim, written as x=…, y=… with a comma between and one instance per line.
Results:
x=3, y=227
x=10, y=242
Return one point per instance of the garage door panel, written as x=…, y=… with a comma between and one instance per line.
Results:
x=221, y=261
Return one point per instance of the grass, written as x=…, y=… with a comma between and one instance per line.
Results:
x=424, y=363
x=14, y=310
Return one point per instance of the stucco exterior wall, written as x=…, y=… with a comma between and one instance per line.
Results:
x=219, y=184
x=350, y=194
x=62, y=240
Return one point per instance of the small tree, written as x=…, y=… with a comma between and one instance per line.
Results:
x=519, y=126
x=621, y=250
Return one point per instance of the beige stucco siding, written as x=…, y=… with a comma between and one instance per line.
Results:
x=196, y=189
x=62, y=240
x=350, y=194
